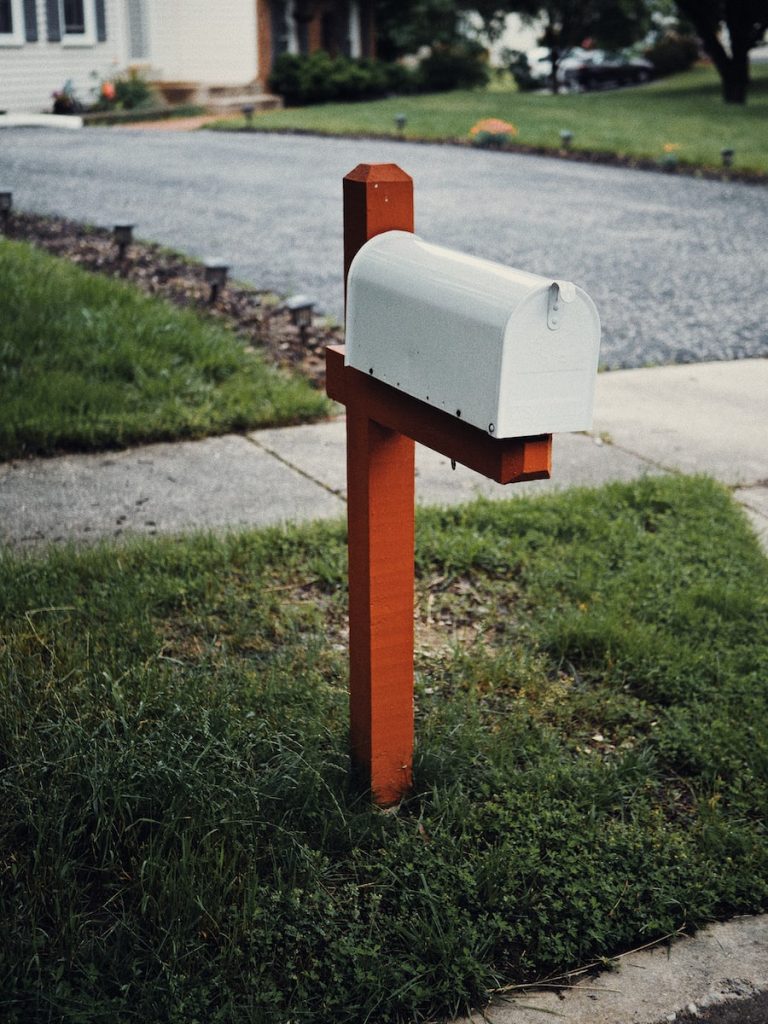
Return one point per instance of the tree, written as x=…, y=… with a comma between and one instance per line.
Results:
x=404, y=26
x=611, y=24
x=745, y=22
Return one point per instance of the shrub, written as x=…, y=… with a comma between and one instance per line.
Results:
x=132, y=90
x=673, y=52
x=520, y=70
x=492, y=133
x=400, y=79
x=318, y=78
x=127, y=91
x=462, y=66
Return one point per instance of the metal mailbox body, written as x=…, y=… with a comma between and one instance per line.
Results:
x=510, y=352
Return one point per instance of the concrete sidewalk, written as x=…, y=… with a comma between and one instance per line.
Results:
x=710, y=974
x=699, y=418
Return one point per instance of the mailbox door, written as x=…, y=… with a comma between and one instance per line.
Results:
x=547, y=379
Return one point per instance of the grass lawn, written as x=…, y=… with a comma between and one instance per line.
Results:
x=684, y=110
x=180, y=838
x=87, y=362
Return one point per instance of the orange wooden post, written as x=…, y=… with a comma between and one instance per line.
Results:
x=380, y=490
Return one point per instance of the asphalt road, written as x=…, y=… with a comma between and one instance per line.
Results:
x=672, y=262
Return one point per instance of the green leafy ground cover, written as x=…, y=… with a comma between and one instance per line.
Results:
x=180, y=838
x=88, y=362
x=684, y=111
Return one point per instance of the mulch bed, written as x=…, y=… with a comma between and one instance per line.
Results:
x=256, y=316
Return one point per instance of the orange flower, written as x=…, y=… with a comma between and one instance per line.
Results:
x=493, y=126
x=108, y=90
x=671, y=147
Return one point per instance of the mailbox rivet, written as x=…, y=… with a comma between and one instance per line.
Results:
x=458, y=412
x=491, y=428
x=371, y=370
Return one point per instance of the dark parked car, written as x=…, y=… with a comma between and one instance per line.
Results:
x=597, y=69
x=580, y=69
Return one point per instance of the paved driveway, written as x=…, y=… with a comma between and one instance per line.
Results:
x=672, y=262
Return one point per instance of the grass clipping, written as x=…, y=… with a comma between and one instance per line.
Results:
x=181, y=838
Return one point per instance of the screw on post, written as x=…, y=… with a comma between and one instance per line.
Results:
x=216, y=271
x=123, y=235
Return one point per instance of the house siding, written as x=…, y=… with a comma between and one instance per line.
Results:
x=31, y=72
x=197, y=41
x=231, y=42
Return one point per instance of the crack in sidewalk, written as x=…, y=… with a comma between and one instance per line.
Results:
x=296, y=469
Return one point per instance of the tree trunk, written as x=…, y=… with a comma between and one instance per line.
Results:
x=734, y=68
x=554, y=56
x=735, y=83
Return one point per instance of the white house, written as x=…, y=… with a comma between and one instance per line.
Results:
x=229, y=43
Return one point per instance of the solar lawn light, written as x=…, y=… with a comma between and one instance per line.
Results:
x=400, y=122
x=123, y=235
x=216, y=276
x=6, y=202
x=727, y=154
x=301, y=308
x=566, y=138
x=247, y=111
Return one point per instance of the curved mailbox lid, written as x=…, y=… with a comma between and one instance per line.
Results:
x=455, y=331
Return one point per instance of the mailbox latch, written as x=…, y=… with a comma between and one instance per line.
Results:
x=559, y=293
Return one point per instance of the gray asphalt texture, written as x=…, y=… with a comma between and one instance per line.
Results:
x=672, y=262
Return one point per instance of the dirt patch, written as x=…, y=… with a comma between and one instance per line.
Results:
x=255, y=315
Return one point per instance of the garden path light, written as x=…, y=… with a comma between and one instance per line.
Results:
x=6, y=203
x=301, y=308
x=123, y=235
x=216, y=271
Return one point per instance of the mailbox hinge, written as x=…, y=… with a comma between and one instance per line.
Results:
x=559, y=292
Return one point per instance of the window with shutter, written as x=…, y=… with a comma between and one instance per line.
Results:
x=81, y=22
x=11, y=23
x=73, y=17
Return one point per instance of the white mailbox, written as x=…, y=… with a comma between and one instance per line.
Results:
x=512, y=353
